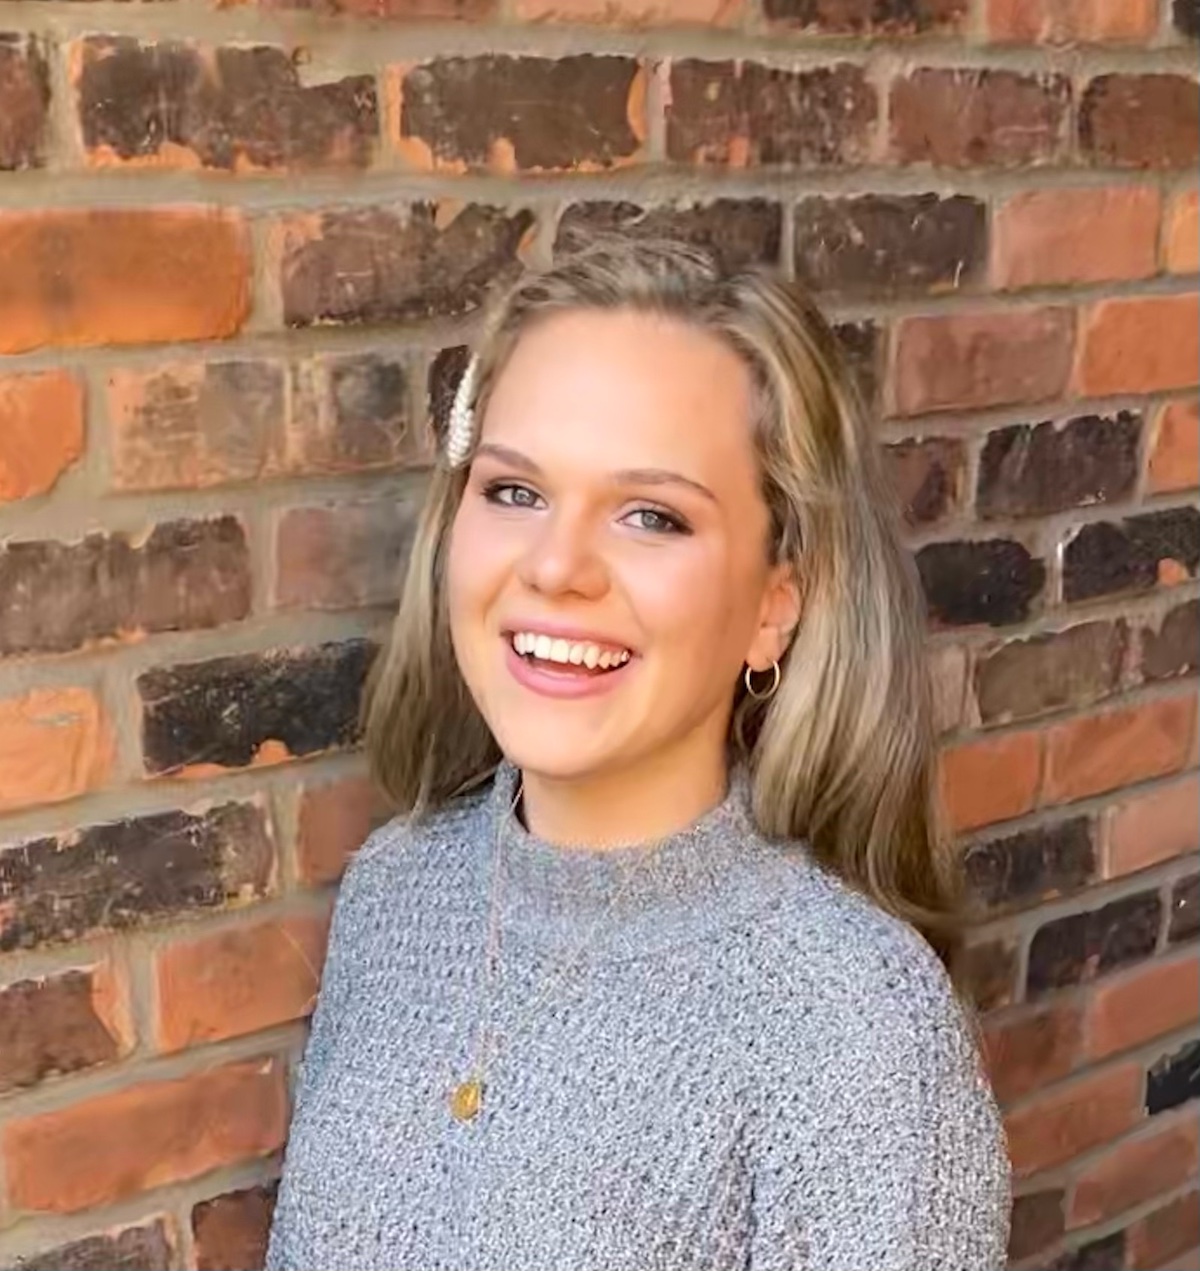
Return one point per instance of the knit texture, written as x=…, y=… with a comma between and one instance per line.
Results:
x=750, y=1065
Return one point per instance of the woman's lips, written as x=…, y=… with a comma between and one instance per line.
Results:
x=553, y=679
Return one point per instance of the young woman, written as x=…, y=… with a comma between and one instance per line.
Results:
x=643, y=976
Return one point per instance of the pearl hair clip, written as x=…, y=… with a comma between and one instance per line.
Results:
x=460, y=432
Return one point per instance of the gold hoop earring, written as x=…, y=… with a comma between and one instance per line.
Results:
x=777, y=675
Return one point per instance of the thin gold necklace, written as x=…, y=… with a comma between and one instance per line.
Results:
x=465, y=1098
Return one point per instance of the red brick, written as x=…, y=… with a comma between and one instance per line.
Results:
x=399, y=10
x=947, y=672
x=1045, y=238
x=1139, y=344
x=979, y=118
x=343, y=556
x=147, y=1246
x=1161, y=1237
x=1181, y=234
x=238, y=981
x=41, y=431
x=518, y=114
x=1142, y=1005
x=231, y=1231
x=117, y=1145
x=1065, y=1122
x=62, y=1023
x=1141, y=121
x=335, y=819
x=54, y=745
x=1174, y=461
x=1135, y=1171
x=121, y=276
x=1101, y=752
x=172, y=104
x=960, y=361
x=1150, y=828
x=1027, y=1053
x=24, y=102
x=636, y=13
x=1070, y=21
x=862, y=17
x=990, y=779
x=743, y=114
x=927, y=476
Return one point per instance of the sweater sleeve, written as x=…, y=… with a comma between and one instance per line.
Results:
x=890, y=1155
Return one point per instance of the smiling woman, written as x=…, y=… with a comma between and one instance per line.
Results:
x=644, y=972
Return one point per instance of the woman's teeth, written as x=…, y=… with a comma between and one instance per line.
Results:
x=568, y=652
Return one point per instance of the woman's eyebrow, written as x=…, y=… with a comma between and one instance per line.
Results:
x=626, y=476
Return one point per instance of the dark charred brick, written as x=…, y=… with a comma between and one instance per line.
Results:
x=540, y=113
x=1141, y=121
x=1185, y=910
x=1174, y=649
x=1174, y=1079
x=1034, y=865
x=445, y=371
x=50, y=1026
x=351, y=412
x=396, y=265
x=230, y=107
x=125, y=874
x=863, y=17
x=979, y=118
x=743, y=113
x=231, y=1231
x=861, y=348
x=992, y=581
x=1105, y=1254
x=24, y=102
x=739, y=232
x=144, y=1248
x=1026, y=678
x=1038, y=1220
x=988, y=973
x=927, y=477
x=1035, y=470
x=1186, y=16
x=880, y=245
x=60, y=596
x=230, y=712
x=1129, y=555
x=1079, y=947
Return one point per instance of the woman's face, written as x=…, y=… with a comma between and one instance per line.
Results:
x=609, y=571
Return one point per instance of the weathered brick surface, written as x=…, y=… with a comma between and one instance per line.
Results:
x=1185, y=910
x=231, y=1231
x=1070, y=21
x=519, y=113
x=1174, y=1079
x=1107, y=557
x=202, y=717
x=964, y=360
x=394, y=264
x=992, y=581
x=1081, y=946
x=1174, y=459
x=741, y=232
x=1186, y=16
x=1146, y=1004
x=1141, y=121
x=1157, y=1239
x=1181, y=234
x=121, y=276
x=1135, y=1172
x=1033, y=865
x=62, y=1023
x=854, y=17
x=634, y=13
x=334, y=820
x=976, y=118
x=183, y=575
x=1147, y=829
x=969, y=789
x=125, y=874
x=1038, y=1221
x=177, y=104
x=744, y=114
x=41, y=431
x=1173, y=648
x=1034, y=1050
x=116, y=1145
x=988, y=972
x=24, y=102
x=54, y=744
x=1140, y=345
x=927, y=476
x=880, y=246
x=145, y=1247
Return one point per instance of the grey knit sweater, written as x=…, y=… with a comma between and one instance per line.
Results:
x=750, y=1067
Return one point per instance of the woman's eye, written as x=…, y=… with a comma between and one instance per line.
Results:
x=512, y=496
x=655, y=521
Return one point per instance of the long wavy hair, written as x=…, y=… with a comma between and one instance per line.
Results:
x=843, y=754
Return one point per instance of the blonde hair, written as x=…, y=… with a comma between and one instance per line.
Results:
x=843, y=754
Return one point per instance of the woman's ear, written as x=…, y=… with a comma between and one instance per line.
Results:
x=779, y=616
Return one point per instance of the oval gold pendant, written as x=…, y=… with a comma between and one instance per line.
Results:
x=465, y=1099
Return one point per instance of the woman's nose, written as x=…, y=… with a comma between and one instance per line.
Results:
x=563, y=559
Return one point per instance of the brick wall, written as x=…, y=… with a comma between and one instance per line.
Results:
x=240, y=246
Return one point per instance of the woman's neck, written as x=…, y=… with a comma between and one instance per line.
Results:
x=647, y=800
